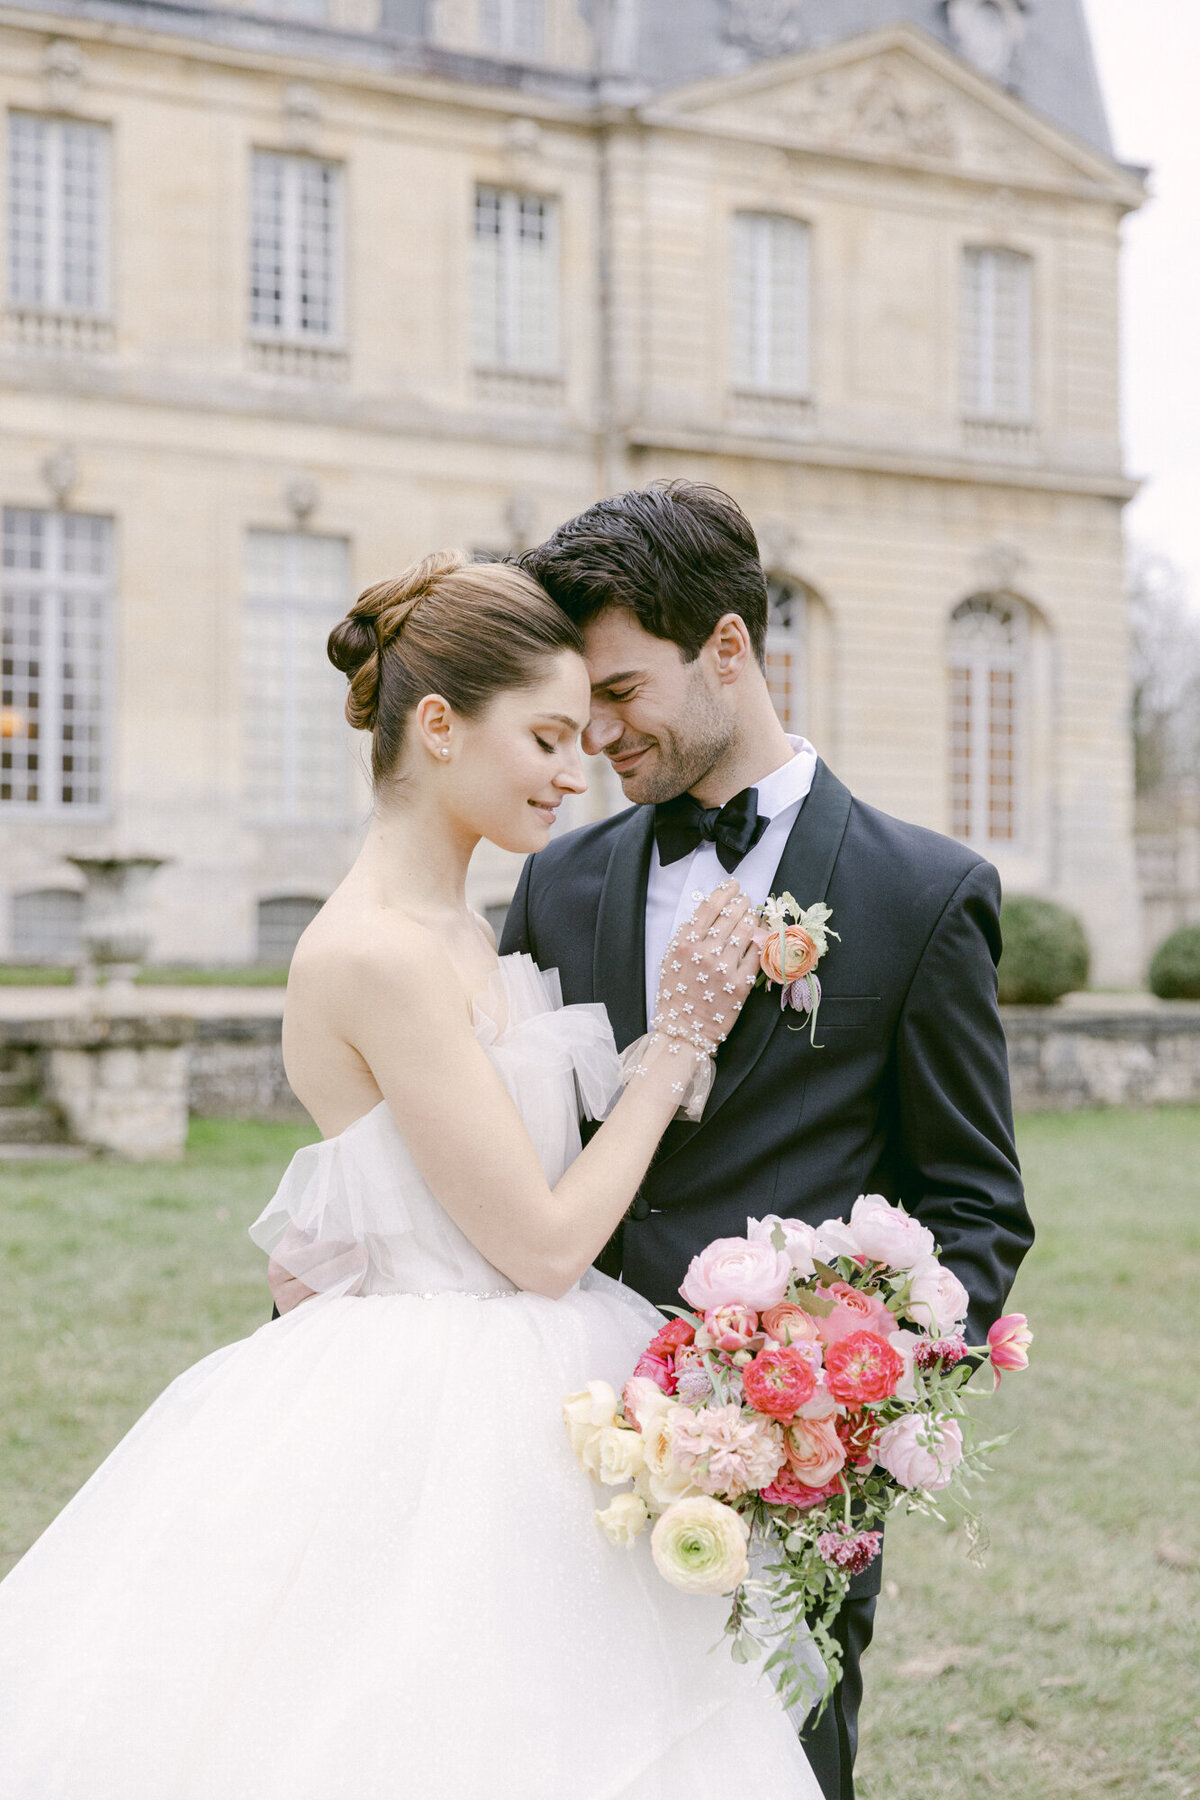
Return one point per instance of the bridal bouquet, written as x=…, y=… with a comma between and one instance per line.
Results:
x=818, y=1378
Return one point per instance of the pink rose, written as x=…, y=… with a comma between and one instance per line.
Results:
x=801, y=1239
x=730, y=1327
x=886, y=1234
x=814, y=1450
x=736, y=1271
x=657, y=1370
x=853, y=1311
x=790, y=1324
x=919, y=1451
x=937, y=1299
x=1008, y=1343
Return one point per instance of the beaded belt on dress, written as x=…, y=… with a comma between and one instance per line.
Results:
x=467, y=1294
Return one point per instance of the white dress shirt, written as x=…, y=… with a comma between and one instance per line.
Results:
x=669, y=892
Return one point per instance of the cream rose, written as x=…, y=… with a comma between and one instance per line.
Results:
x=664, y=1478
x=623, y=1519
x=613, y=1454
x=584, y=1412
x=699, y=1545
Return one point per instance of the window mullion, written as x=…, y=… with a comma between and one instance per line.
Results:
x=53, y=224
x=289, y=259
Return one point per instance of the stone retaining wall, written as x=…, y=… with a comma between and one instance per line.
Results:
x=1062, y=1059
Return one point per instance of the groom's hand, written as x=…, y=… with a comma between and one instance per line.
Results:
x=287, y=1291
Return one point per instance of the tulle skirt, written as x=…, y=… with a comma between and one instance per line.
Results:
x=353, y=1557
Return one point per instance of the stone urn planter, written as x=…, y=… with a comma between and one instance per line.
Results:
x=116, y=916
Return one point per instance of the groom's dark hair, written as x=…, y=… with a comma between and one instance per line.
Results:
x=678, y=555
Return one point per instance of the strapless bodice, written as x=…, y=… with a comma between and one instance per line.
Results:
x=353, y=1215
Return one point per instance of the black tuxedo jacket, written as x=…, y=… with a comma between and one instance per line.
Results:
x=907, y=1091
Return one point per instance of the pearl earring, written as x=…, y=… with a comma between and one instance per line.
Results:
x=443, y=752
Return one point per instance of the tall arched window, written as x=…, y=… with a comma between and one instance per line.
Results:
x=787, y=645
x=988, y=638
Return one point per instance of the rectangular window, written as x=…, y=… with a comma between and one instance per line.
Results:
x=515, y=282
x=55, y=621
x=58, y=177
x=997, y=314
x=770, y=304
x=296, y=255
x=514, y=27
x=296, y=741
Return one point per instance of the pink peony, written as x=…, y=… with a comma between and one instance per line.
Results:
x=919, y=1451
x=726, y=1450
x=862, y=1368
x=853, y=1311
x=800, y=1238
x=886, y=1234
x=736, y=1271
x=937, y=1299
x=779, y=1380
x=815, y=1453
x=730, y=1327
x=1008, y=1343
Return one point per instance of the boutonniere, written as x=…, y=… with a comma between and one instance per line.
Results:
x=798, y=938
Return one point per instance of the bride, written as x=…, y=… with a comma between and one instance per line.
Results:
x=352, y=1556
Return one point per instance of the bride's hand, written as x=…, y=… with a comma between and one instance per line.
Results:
x=710, y=966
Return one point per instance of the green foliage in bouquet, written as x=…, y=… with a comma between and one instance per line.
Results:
x=1045, y=952
x=1175, y=970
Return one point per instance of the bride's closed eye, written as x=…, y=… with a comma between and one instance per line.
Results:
x=543, y=745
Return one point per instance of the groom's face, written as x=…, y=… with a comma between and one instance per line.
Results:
x=661, y=721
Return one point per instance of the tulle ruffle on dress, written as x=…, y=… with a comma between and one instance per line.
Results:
x=352, y=1556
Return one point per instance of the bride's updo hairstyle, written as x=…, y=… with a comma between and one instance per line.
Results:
x=467, y=631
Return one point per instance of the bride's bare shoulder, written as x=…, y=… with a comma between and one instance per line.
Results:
x=352, y=952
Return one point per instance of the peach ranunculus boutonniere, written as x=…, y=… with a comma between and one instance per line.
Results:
x=797, y=939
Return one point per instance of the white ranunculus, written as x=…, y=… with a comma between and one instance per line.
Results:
x=801, y=1239
x=699, y=1545
x=623, y=1519
x=613, y=1454
x=937, y=1299
x=887, y=1234
x=594, y=1406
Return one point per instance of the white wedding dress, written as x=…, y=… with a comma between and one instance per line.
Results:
x=353, y=1558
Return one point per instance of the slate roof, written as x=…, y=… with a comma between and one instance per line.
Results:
x=658, y=43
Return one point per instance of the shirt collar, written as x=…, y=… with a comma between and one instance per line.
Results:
x=787, y=786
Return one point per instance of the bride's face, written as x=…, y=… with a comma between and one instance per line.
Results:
x=511, y=768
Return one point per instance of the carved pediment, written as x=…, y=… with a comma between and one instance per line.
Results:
x=892, y=97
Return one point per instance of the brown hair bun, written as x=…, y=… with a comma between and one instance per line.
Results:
x=467, y=631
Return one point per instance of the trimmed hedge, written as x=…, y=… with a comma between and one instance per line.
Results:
x=1045, y=952
x=1175, y=970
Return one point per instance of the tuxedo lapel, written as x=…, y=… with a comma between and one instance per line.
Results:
x=619, y=958
x=805, y=869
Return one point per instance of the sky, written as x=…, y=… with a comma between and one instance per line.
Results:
x=1148, y=53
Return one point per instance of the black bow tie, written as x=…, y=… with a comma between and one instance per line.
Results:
x=735, y=828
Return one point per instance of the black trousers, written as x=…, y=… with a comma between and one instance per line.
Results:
x=832, y=1742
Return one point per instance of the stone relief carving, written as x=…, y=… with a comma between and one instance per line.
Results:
x=302, y=496
x=1001, y=566
x=64, y=71
x=768, y=27
x=988, y=32
x=60, y=472
x=302, y=109
x=876, y=109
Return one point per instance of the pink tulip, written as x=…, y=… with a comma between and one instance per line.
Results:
x=1008, y=1343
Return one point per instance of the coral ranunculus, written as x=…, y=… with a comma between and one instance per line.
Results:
x=861, y=1368
x=779, y=1380
x=799, y=955
x=787, y=1489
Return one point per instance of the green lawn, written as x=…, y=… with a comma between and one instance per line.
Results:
x=1066, y=1668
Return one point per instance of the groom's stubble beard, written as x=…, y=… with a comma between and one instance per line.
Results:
x=686, y=750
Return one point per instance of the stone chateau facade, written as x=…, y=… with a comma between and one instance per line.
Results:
x=295, y=292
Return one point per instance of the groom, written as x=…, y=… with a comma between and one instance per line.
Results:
x=906, y=1091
